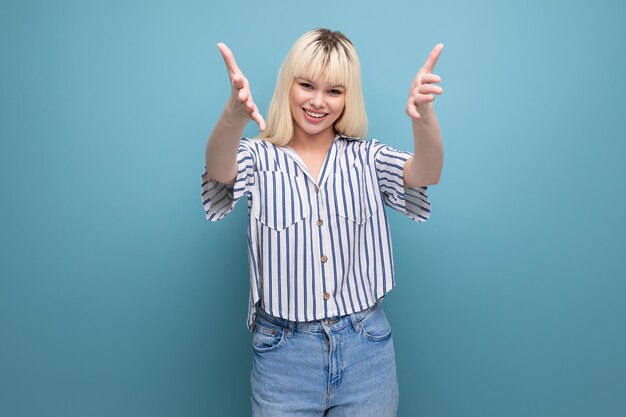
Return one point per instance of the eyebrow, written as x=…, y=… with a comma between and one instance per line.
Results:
x=311, y=82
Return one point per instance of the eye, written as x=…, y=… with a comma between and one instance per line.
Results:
x=305, y=85
x=335, y=91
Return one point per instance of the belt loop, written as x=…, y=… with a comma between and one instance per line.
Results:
x=355, y=322
x=290, y=328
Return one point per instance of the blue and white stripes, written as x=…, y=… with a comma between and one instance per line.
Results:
x=317, y=247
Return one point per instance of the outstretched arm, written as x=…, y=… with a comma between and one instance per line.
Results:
x=424, y=167
x=221, y=148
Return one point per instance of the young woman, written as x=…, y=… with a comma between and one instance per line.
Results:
x=319, y=248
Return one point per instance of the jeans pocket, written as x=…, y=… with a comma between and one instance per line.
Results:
x=267, y=337
x=375, y=326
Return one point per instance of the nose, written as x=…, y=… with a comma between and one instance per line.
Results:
x=317, y=100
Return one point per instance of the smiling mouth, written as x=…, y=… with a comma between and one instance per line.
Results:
x=315, y=117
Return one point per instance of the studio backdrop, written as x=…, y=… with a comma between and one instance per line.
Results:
x=118, y=298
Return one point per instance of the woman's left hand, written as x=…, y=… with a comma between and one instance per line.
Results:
x=421, y=95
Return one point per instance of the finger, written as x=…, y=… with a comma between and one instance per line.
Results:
x=429, y=66
x=423, y=78
x=243, y=94
x=250, y=104
x=430, y=78
x=238, y=80
x=262, y=123
x=411, y=110
x=426, y=98
x=229, y=58
x=242, y=82
x=256, y=116
x=245, y=90
x=429, y=88
x=422, y=98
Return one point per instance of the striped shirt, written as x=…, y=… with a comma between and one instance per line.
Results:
x=317, y=248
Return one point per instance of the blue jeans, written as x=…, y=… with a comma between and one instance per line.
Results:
x=342, y=366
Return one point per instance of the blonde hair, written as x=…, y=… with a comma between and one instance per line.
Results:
x=331, y=54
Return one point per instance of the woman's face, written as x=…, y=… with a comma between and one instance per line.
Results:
x=315, y=105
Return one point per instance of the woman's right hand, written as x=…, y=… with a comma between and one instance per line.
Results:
x=240, y=105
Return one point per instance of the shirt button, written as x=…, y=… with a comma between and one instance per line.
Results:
x=317, y=190
x=326, y=296
x=324, y=258
x=320, y=222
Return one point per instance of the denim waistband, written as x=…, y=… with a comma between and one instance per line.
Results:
x=319, y=326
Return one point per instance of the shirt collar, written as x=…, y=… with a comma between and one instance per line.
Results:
x=329, y=160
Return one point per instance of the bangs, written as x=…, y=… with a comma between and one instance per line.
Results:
x=333, y=66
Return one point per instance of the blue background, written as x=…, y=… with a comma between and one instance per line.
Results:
x=118, y=298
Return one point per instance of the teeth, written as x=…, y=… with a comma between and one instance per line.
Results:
x=318, y=115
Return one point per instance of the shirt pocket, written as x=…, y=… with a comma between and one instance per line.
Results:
x=353, y=192
x=279, y=200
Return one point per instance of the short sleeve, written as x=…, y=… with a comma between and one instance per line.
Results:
x=389, y=164
x=219, y=199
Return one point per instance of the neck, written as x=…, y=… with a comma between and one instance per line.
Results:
x=312, y=142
